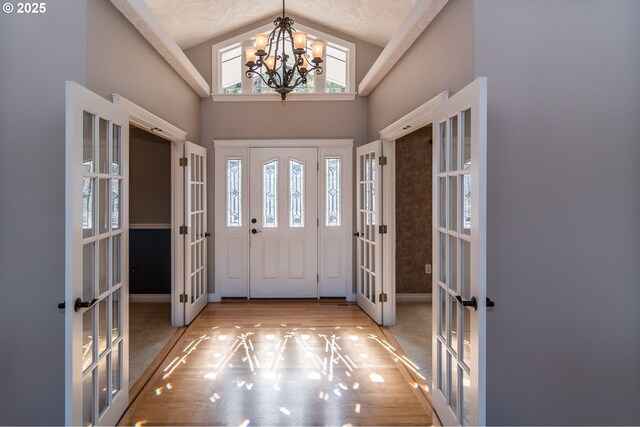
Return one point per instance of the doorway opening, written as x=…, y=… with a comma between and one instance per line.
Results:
x=150, y=262
x=413, y=236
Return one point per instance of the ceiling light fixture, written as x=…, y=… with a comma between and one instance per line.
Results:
x=269, y=58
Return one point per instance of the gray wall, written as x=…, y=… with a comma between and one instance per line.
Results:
x=39, y=52
x=149, y=178
x=563, y=201
x=440, y=59
x=121, y=61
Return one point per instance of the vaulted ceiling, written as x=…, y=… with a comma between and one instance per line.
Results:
x=195, y=21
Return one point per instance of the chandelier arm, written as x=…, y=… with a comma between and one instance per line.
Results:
x=264, y=80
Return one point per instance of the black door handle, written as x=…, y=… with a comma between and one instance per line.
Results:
x=490, y=303
x=207, y=234
x=83, y=304
x=254, y=231
x=473, y=302
x=357, y=234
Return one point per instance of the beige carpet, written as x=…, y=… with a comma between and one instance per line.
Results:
x=149, y=331
x=413, y=332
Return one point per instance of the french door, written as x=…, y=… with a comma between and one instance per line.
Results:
x=96, y=244
x=459, y=230
x=195, y=283
x=283, y=224
x=369, y=250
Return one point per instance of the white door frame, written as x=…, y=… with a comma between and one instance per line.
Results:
x=418, y=118
x=147, y=121
x=326, y=148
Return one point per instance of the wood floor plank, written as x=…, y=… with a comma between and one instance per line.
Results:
x=281, y=363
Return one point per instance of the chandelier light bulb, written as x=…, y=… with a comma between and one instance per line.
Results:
x=271, y=62
x=261, y=43
x=250, y=54
x=317, y=48
x=300, y=41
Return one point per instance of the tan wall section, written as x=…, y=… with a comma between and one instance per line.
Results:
x=440, y=59
x=121, y=61
x=413, y=211
x=150, y=178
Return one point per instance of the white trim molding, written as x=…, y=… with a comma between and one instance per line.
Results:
x=413, y=25
x=213, y=297
x=417, y=297
x=148, y=121
x=269, y=97
x=420, y=117
x=139, y=14
x=254, y=143
x=149, y=297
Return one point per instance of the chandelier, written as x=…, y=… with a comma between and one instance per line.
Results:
x=269, y=57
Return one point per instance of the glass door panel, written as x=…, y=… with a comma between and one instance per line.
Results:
x=369, y=243
x=459, y=286
x=96, y=239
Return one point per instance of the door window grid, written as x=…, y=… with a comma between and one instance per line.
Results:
x=234, y=192
x=366, y=222
x=333, y=182
x=102, y=261
x=296, y=194
x=197, y=226
x=454, y=229
x=270, y=194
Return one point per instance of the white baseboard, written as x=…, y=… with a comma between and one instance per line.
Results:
x=423, y=297
x=213, y=298
x=351, y=297
x=149, y=297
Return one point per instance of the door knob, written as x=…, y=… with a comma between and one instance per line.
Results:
x=357, y=234
x=253, y=220
x=254, y=231
x=84, y=304
x=473, y=302
x=207, y=234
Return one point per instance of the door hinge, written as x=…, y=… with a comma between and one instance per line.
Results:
x=184, y=161
x=318, y=277
x=382, y=229
x=382, y=161
x=184, y=298
x=382, y=298
x=184, y=229
x=318, y=222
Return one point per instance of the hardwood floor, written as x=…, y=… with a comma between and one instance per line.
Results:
x=282, y=363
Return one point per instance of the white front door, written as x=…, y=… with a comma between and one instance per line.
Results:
x=283, y=223
x=195, y=281
x=96, y=252
x=459, y=256
x=369, y=250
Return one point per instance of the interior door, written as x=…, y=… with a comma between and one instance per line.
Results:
x=369, y=250
x=283, y=225
x=96, y=240
x=459, y=229
x=195, y=283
